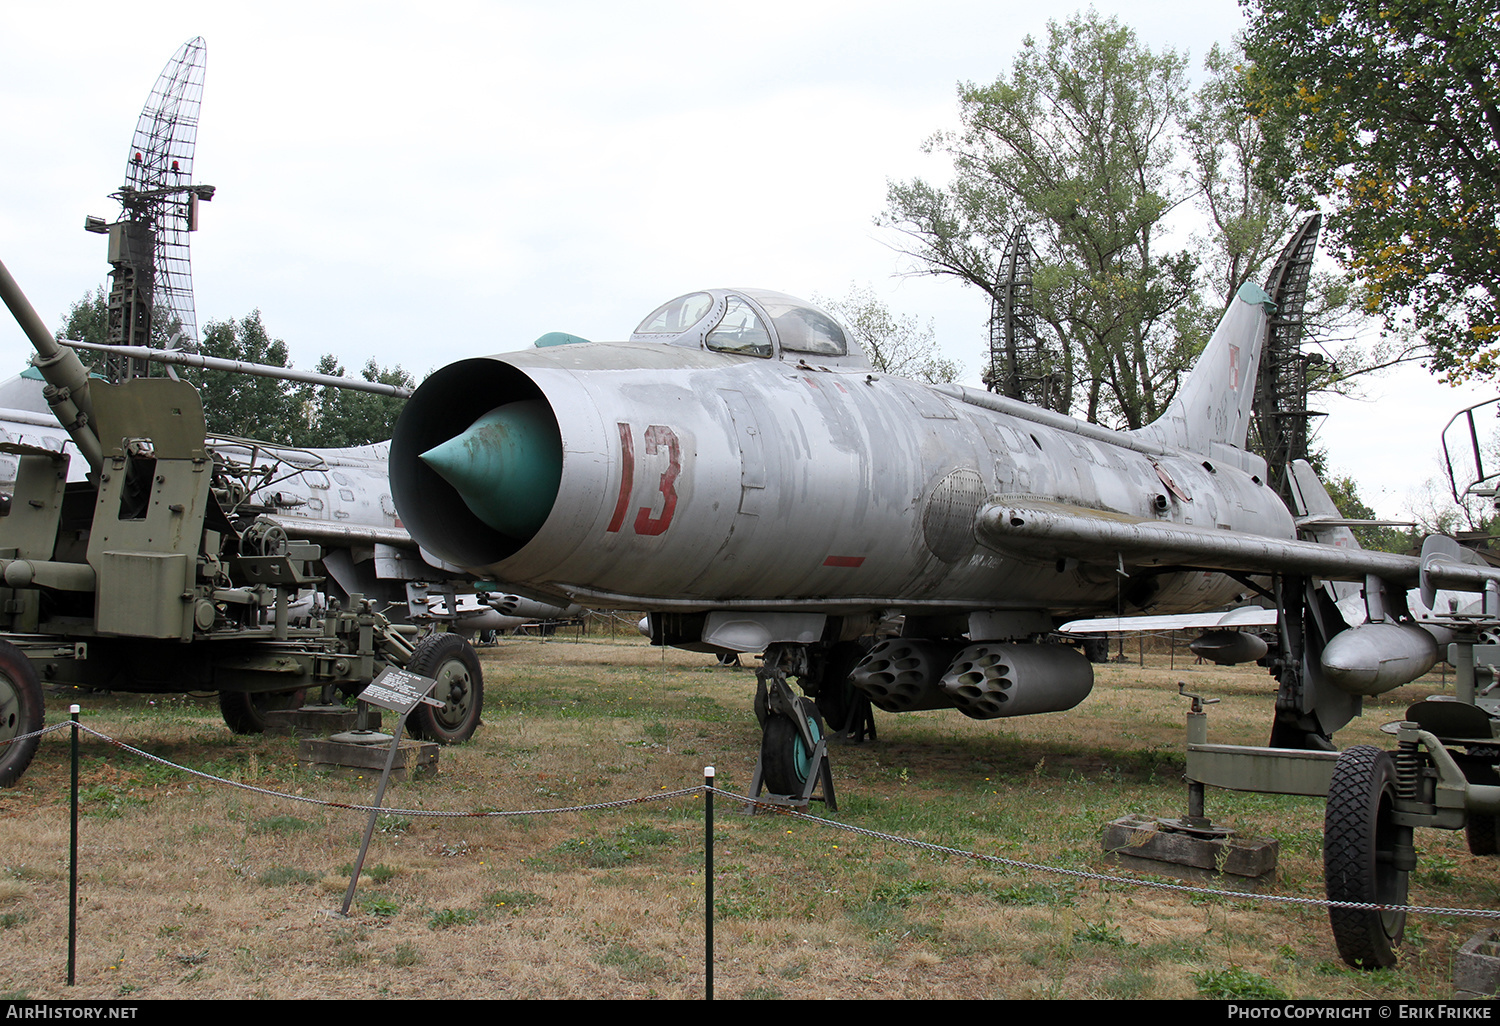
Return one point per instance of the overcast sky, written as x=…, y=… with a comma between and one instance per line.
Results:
x=422, y=182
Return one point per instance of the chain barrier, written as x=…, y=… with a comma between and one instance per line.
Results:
x=35, y=733
x=430, y=813
x=1102, y=877
x=782, y=810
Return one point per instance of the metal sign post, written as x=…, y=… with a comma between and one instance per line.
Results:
x=399, y=691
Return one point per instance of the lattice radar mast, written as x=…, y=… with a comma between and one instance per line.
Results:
x=151, y=296
x=1280, y=410
x=1022, y=366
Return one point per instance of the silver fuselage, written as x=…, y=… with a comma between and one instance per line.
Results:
x=695, y=480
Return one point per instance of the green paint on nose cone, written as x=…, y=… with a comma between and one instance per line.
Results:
x=506, y=466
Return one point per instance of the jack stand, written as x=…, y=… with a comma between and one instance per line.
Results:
x=1193, y=844
x=359, y=753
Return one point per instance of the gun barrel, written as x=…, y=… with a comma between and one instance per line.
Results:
x=181, y=359
x=61, y=369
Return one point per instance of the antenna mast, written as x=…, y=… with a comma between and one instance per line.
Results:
x=151, y=296
x=1020, y=366
x=1281, y=411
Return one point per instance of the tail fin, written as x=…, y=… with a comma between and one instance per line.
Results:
x=1212, y=407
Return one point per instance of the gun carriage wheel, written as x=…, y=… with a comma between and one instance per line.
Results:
x=460, y=687
x=21, y=709
x=1366, y=857
x=1482, y=829
x=245, y=713
x=1482, y=833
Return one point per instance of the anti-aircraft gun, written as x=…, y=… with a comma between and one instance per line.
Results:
x=156, y=575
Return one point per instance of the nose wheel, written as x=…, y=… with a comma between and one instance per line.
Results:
x=786, y=757
x=793, y=747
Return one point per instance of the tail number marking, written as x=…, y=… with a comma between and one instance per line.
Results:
x=658, y=437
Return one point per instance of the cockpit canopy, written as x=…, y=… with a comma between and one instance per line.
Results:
x=752, y=322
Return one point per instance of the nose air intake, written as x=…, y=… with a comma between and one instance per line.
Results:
x=476, y=462
x=506, y=466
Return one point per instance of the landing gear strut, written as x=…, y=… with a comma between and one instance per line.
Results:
x=793, y=747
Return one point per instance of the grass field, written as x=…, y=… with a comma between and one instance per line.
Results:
x=196, y=890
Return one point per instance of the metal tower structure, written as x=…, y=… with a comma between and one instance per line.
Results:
x=1020, y=366
x=1281, y=413
x=151, y=296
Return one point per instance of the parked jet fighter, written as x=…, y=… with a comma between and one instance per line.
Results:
x=25, y=419
x=738, y=469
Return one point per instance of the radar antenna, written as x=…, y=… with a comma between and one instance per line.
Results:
x=1020, y=365
x=1281, y=412
x=151, y=296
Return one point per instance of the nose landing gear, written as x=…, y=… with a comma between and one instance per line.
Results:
x=793, y=746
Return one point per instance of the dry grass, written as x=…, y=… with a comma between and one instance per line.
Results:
x=192, y=890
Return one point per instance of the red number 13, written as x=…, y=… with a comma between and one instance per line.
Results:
x=657, y=436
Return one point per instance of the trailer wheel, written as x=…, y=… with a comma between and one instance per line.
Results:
x=1482, y=832
x=245, y=713
x=460, y=687
x=21, y=711
x=1360, y=842
x=785, y=760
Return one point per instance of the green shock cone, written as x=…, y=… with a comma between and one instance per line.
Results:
x=506, y=466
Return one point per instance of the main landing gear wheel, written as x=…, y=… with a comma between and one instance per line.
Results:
x=460, y=687
x=21, y=708
x=838, y=698
x=785, y=759
x=1096, y=648
x=245, y=713
x=1366, y=857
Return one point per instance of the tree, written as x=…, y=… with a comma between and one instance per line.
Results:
x=343, y=417
x=895, y=343
x=246, y=405
x=87, y=319
x=1433, y=508
x=1091, y=142
x=1390, y=113
x=267, y=409
x=1076, y=145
